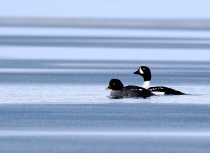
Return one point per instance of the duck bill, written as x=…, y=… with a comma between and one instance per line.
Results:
x=137, y=72
x=107, y=88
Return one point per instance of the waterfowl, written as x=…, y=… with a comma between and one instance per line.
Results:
x=119, y=91
x=145, y=72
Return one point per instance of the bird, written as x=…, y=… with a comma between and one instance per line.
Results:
x=145, y=72
x=119, y=91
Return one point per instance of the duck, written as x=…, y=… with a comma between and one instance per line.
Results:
x=145, y=72
x=121, y=91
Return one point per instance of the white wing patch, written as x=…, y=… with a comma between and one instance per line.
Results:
x=158, y=93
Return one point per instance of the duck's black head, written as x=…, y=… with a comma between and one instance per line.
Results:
x=144, y=71
x=115, y=84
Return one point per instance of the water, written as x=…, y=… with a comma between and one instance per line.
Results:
x=62, y=106
x=84, y=82
x=105, y=128
x=106, y=42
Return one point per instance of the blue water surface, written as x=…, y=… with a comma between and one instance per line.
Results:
x=62, y=106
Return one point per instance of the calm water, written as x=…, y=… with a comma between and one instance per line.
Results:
x=62, y=106
x=84, y=82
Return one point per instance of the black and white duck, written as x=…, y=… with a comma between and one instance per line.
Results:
x=145, y=72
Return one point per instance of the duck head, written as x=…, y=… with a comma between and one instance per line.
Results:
x=144, y=71
x=115, y=84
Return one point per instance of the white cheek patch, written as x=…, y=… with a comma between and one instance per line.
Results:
x=141, y=72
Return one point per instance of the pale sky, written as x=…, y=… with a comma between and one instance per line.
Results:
x=106, y=8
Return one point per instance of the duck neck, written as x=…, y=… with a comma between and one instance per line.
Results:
x=146, y=84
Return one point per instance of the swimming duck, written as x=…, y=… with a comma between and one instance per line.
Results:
x=119, y=91
x=145, y=72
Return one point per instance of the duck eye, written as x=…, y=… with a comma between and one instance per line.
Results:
x=143, y=68
x=113, y=83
